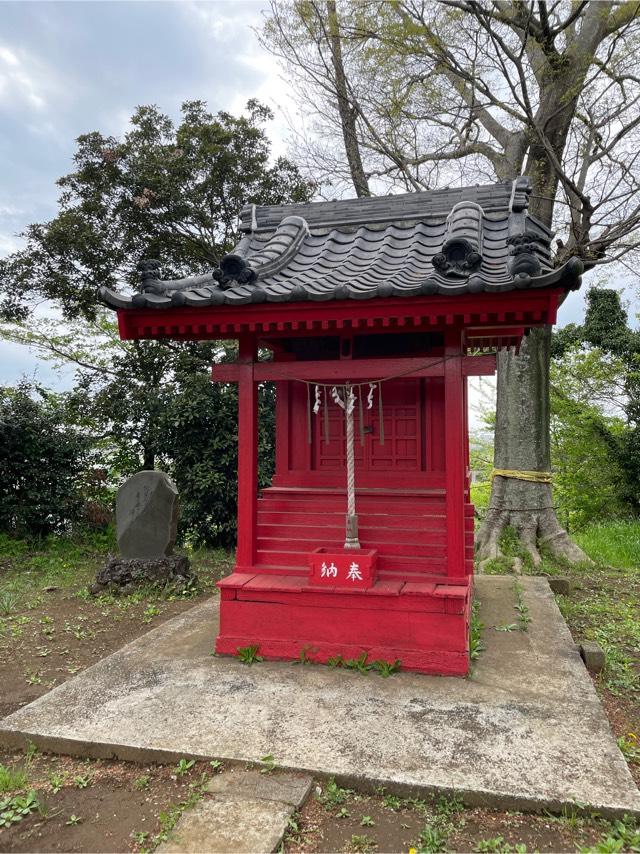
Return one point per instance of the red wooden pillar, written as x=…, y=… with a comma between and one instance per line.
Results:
x=247, y=455
x=455, y=454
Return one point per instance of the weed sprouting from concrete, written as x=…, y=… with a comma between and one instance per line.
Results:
x=475, y=632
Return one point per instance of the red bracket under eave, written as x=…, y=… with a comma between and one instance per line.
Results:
x=519, y=309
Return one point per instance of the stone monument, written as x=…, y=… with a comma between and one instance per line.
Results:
x=147, y=509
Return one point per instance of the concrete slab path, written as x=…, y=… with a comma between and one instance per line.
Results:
x=243, y=810
x=527, y=731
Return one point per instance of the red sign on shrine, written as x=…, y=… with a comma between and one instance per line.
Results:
x=354, y=569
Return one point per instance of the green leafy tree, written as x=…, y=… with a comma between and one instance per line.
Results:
x=42, y=461
x=165, y=191
x=603, y=369
x=587, y=418
x=172, y=193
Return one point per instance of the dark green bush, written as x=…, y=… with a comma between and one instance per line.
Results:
x=42, y=459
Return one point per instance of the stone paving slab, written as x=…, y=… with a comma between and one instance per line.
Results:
x=527, y=731
x=284, y=786
x=220, y=826
x=247, y=811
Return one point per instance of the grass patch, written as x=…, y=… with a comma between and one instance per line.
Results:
x=612, y=543
x=62, y=562
x=71, y=563
x=12, y=779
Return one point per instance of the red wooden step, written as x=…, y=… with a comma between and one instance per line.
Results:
x=280, y=517
x=295, y=533
x=302, y=548
x=372, y=505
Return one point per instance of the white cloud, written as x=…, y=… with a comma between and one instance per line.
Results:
x=236, y=24
x=26, y=80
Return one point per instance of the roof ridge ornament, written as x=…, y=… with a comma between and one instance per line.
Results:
x=523, y=261
x=521, y=189
x=461, y=252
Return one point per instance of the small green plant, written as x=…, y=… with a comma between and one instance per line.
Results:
x=73, y=819
x=475, y=632
x=269, y=764
x=249, y=654
x=293, y=831
x=622, y=835
x=169, y=819
x=139, y=836
x=432, y=840
x=361, y=843
x=305, y=653
x=333, y=795
x=216, y=764
x=33, y=677
x=12, y=778
x=629, y=747
x=14, y=809
x=82, y=781
x=386, y=668
x=359, y=663
x=184, y=766
x=150, y=612
x=335, y=661
x=57, y=780
x=141, y=783
x=8, y=603
x=392, y=802
x=496, y=844
x=506, y=627
x=446, y=807
x=343, y=812
x=367, y=821
x=521, y=607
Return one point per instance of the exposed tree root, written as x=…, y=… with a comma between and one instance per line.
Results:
x=535, y=528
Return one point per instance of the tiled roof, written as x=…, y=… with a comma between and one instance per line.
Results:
x=469, y=240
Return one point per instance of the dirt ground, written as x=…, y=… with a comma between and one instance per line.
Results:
x=379, y=823
x=47, y=645
x=101, y=806
x=85, y=805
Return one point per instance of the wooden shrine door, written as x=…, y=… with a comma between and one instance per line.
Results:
x=401, y=454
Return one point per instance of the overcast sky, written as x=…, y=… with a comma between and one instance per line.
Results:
x=71, y=67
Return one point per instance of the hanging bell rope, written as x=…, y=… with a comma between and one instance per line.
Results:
x=347, y=402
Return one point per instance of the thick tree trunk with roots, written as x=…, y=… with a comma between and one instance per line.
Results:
x=522, y=444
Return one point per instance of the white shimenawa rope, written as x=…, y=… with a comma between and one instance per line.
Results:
x=349, y=404
x=351, y=539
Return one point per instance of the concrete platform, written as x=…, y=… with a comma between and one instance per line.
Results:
x=527, y=731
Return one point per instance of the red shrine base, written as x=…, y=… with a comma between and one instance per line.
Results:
x=425, y=625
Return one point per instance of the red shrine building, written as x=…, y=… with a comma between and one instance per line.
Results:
x=373, y=313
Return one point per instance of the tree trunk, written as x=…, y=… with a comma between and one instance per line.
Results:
x=345, y=109
x=522, y=444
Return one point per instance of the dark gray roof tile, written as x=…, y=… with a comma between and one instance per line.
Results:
x=362, y=248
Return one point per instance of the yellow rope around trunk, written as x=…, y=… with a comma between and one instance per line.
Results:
x=535, y=476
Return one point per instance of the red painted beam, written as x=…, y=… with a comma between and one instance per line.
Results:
x=357, y=369
x=529, y=308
